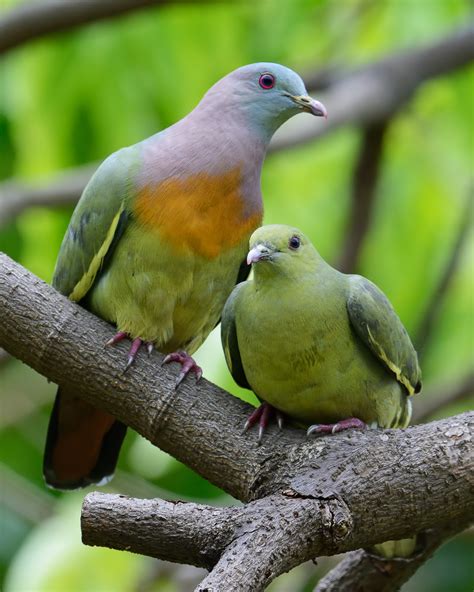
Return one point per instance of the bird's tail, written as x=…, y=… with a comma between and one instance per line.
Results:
x=390, y=549
x=82, y=444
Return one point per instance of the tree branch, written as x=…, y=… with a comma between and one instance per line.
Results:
x=64, y=191
x=328, y=495
x=32, y=20
x=365, y=572
x=434, y=307
x=376, y=92
x=437, y=400
x=366, y=174
x=365, y=97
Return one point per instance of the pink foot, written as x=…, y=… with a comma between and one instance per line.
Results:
x=187, y=365
x=262, y=415
x=332, y=428
x=136, y=344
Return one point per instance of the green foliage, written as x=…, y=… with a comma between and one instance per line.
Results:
x=74, y=98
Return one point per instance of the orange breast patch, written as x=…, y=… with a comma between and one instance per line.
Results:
x=202, y=213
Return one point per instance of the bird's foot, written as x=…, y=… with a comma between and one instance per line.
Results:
x=187, y=365
x=263, y=415
x=332, y=428
x=136, y=344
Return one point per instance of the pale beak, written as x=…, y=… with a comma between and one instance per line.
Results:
x=310, y=105
x=258, y=253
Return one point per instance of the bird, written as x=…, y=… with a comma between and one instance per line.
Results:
x=158, y=240
x=321, y=347
x=316, y=344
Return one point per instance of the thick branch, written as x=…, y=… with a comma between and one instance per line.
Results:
x=364, y=185
x=36, y=19
x=366, y=97
x=434, y=307
x=370, y=486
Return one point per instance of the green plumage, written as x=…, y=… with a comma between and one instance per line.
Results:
x=317, y=344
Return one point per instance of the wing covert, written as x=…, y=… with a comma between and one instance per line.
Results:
x=379, y=327
x=96, y=224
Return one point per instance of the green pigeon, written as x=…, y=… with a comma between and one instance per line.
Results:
x=317, y=345
x=158, y=241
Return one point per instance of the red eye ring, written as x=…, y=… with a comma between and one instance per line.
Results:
x=267, y=81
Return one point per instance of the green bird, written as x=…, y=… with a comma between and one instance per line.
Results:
x=317, y=345
x=158, y=241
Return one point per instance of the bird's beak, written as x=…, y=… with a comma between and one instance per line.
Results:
x=310, y=105
x=258, y=253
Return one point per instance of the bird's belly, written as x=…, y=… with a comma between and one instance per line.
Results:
x=168, y=298
x=315, y=381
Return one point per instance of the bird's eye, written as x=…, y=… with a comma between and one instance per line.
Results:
x=267, y=81
x=294, y=243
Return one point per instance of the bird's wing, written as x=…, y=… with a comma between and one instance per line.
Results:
x=97, y=223
x=379, y=327
x=230, y=342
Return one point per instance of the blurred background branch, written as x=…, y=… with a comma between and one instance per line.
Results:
x=435, y=402
x=36, y=19
x=364, y=186
x=435, y=304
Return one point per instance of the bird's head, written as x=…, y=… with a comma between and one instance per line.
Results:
x=281, y=249
x=266, y=94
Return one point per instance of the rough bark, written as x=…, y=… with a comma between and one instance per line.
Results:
x=361, y=571
x=304, y=497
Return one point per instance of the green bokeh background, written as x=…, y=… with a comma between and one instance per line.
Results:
x=76, y=97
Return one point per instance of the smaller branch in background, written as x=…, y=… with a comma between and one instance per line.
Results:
x=435, y=304
x=436, y=401
x=364, y=572
x=63, y=191
x=32, y=20
x=366, y=174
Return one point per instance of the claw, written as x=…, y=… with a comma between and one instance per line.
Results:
x=132, y=354
x=187, y=365
x=149, y=348
x=262, y=415
x=116, y=338
x=333, y=428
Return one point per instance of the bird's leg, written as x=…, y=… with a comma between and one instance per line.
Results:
x=187, y=365
x=332, y=428
x=262, y=415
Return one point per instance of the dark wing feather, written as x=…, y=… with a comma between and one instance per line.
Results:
x=230, y=342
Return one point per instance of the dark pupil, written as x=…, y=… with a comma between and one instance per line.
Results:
x=267, y=81
x=294, y=242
